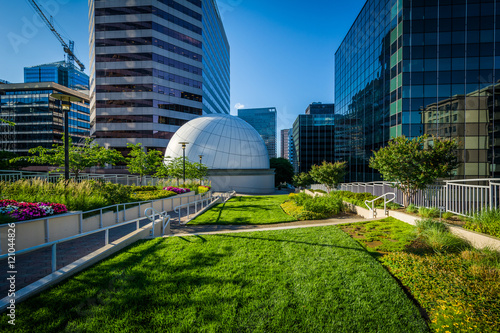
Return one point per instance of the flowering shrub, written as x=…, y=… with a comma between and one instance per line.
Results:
x=203, y=189
x=22, y=211
x=177, y=190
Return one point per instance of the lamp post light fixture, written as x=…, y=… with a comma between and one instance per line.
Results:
x=200, y=156
x=184, y=144
x=66, y=107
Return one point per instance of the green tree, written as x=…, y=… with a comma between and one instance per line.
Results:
x=413, y=164
x=80, y=157
x=7, y=161
x=284, y=170
x=175, y=169
x=302, y=179
x=143, y=163
x=329, y=174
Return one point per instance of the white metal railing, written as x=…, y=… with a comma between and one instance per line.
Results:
x=12, y=176
x=151, y=214
x=178, y=209
x=227, y=195
x=373, y=210
x=113, y=208
x=53, y=244
x=461, y=197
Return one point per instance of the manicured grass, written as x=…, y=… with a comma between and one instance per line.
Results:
x=297, y=280
x=459, y=289
x=247, y=210
x=387, y=235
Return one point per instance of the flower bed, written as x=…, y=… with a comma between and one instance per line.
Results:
x=22, y=211
x=177, y=190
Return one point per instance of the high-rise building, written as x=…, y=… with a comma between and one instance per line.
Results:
x=155, y=65
x=418, y=67
x=265, y=121
x=38, y=117
x=291, y=147
x=313, y=137
x=285, y=143
x=320, y=108
x=59, y=72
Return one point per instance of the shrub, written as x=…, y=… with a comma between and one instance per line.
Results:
x=427, y=224
x=143, y=188
x=412, y=209
x=428, y=212
x=203, y=189
x=152, y=195
x=487, y=221
x=324, y=205
x=439, y=238
x=304, y=207
x=447, y=215
x=357, y=199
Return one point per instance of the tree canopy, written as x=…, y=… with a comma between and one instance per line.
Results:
x=284, y=170
x=80, y=157
x=413, y=164
x=175, y=169
x=329, y=174
x=141, y=162
x=302, y=179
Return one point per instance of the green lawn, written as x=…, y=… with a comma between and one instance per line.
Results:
x=297, y=280
x=247, y=210
x=387, y=235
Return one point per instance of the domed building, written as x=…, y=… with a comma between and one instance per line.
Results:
x=233, y=151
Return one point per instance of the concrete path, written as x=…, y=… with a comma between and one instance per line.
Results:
x=187, y=230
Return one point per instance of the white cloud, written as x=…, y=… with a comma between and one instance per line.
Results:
x=239, y=106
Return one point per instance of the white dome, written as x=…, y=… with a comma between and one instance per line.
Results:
x=226, y=142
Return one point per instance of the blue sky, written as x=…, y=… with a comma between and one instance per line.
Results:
x=282, y=51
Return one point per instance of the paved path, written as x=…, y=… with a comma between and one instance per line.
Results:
x=186, y=230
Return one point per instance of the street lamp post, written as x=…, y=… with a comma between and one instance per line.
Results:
x=184, y=144
x=200, y=156
x=66, y=107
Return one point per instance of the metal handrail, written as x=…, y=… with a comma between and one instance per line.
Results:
x=228, y=195
x=177, y=209
x=54, y=243
x=162, y=215
x=372, y=209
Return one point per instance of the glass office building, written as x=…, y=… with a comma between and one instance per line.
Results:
x=58, y=72
x=418, y=67
x=155, y=65
x=313, y=137
x=285, y=143
x=265, y=121
x=38, y=117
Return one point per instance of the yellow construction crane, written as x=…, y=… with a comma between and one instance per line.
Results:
x=69, y=49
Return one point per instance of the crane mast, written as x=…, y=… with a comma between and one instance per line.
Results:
x=69, y=49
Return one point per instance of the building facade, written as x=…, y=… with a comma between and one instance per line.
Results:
x=38, y=117
x=417, y=67
x=313, y=137
x=285, y=143
x=155, y=65
x=265, y=121
x=59, y=72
